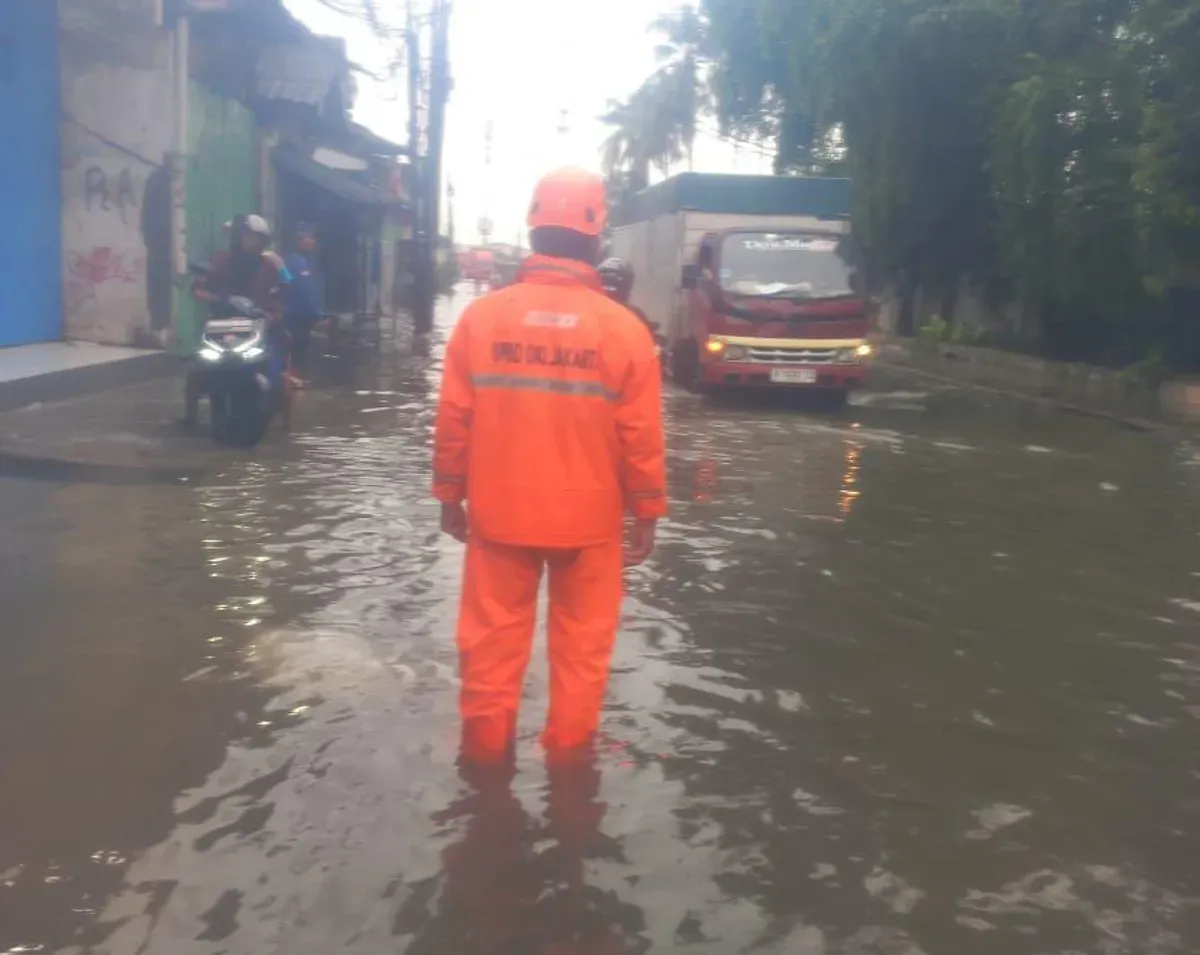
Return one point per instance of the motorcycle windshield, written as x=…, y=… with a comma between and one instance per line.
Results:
x=797, y=266
x=235, y=307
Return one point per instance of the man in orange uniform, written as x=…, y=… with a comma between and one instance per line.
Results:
x=549, y=430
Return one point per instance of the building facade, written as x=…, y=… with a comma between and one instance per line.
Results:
x=88, y=99
x=30, y=292
x=116, y=134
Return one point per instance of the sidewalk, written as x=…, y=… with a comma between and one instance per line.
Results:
x=130, y=432
x=56, y=371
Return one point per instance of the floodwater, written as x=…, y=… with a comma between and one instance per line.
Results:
x=919, y=678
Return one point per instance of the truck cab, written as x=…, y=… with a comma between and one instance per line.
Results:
x=751, y=281
x=785, y=308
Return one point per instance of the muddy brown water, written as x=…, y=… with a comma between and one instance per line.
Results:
x=922, y=677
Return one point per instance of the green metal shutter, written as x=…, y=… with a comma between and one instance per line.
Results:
x=221, y=175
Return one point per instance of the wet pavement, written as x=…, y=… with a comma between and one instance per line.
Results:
x=921, y=677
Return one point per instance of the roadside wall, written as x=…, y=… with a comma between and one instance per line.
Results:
x=1084, y=386
x=116, y=131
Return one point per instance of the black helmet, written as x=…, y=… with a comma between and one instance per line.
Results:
x=617, y=276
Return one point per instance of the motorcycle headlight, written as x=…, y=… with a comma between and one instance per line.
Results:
x=736, y=353
x=251, y=344
x=208, y=353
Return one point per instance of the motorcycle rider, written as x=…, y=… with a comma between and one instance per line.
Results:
x=252, y=271
x=617, y=276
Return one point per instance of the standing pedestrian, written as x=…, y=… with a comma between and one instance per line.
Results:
x=304, y=302
x=549, y=431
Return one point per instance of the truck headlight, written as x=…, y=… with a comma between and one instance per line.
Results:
x=736, y=353
x=856, y=354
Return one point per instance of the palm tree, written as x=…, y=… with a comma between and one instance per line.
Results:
x=682, y=70
x=656, y=126
x=646, y=133
x=622, y=156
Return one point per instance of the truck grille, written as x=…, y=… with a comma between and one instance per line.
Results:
x=794, y=356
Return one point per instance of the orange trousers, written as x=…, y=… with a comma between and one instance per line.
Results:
x=495, y=639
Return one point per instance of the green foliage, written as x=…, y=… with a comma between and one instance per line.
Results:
x=935, y=329
x=1148, y=372
x=1048, y=149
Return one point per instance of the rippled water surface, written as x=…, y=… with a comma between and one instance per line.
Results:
x=922, y=678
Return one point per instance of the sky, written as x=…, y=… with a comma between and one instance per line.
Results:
x=518, y=64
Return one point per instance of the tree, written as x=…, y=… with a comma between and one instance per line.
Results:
x=646, y=133
x=656, y=126
x=1045, y=153
x=1048, y=152
x=681, y=81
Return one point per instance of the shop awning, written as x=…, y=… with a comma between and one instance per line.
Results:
x=344, y=185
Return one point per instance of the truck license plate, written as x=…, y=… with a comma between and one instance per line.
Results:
x=794, y=376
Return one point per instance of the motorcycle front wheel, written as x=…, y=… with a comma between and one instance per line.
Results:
x=239, y=417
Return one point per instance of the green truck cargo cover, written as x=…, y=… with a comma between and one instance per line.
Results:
x=738, y=195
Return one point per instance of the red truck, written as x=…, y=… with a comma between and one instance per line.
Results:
x=750, y=280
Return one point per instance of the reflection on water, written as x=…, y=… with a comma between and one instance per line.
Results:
x=893, y=684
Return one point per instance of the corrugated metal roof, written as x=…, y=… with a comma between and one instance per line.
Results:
x=344, y=185
x=303, y=73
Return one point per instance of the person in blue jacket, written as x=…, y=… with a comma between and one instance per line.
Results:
x=304, y=296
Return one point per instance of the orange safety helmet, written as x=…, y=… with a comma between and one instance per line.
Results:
x=569, y=199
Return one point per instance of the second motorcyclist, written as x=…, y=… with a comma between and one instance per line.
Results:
x=617, y=276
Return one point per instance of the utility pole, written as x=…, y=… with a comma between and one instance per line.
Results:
x=485, y=221
x=422, y=284
x=179, y=142
x=439, y=93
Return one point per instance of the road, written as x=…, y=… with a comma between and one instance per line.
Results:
x=919, y=678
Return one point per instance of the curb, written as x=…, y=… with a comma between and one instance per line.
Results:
x=77, y=382
x=1131, y=422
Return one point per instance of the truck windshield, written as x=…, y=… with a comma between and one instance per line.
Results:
x=789, y=265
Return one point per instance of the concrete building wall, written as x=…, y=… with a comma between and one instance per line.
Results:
x=117, y=130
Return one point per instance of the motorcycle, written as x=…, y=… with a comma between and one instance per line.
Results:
x=233, y=360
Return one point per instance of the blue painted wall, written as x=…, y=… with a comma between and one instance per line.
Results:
x=30, y=250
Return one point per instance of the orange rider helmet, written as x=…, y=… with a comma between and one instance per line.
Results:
x=569, y=199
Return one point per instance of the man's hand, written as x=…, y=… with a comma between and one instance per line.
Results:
x=639, y=542
x=454, y=521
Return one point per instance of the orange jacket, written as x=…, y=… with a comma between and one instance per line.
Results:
x=550, y=419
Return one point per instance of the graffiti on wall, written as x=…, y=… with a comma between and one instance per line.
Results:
x=108, y=193
x=88, y=271
x=103, y=264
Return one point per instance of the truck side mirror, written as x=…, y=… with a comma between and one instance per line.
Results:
x=690, y=277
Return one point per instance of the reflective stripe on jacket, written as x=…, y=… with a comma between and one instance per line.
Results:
x=550, y=419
